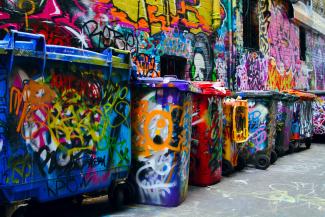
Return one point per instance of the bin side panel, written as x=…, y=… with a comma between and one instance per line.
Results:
x=4, y=96
x=161, y=136
x=118, y=109
x=295, y=127
x=283, y=126
x=230, y=150
x=259, y=118
x=306, y=119
x=23, y=101
x=74, y=127
x=319, y=115
x=207, y=139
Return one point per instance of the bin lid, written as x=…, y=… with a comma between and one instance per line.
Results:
x=211, y=88
x=289, y=97
x=284, y=96
x=317, y=92
x=23, y=44
x=255, y=94
x=302, y=94
x=166, y=82
x=71, y=54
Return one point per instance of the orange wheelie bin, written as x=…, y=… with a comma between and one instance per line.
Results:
x=235, y=135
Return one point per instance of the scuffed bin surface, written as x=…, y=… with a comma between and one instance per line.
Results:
x=259, y=118
x=67, y=126
x=319, y=115
x=207, y=134
x=161, y=137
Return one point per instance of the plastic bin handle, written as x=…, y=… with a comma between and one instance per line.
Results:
x=170, y=76
x=24, y=36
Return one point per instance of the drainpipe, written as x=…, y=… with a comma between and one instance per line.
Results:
x=230, y=38
x=216, y=17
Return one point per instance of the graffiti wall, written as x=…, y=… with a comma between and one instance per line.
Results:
x=149, y=28
x=277, y=64
x=69, y=120
x=161, y=135
x=252, y=72
x=316, y=57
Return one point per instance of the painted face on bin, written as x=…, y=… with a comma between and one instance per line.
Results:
x=199, y=67
x=159, y=129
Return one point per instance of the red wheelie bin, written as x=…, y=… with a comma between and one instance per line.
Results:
x=207, y=134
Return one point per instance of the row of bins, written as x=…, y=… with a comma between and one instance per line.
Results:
x=72, y=123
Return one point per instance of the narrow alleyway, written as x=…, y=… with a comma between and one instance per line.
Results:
x=294, y=186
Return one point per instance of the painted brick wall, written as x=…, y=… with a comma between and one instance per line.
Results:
x=319, y=6
x=277, y=65
x=316, y=58
x=148, y=28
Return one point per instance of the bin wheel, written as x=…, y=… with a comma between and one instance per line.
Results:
x=130, y=192
x=308, y=143
x=118, y=197
x=20, y=212
x=291, y=148
x=227, y=167
x=77, y=200
x=279, y=151
x=274, y=157
x=262, y=161
x=241, y=163
x=294, y=147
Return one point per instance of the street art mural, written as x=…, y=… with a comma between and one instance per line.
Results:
x=316, y=58
x=284, y=52
x=252, y=72
x=146, y=27
x=207, y=33
x=277, y=65
x=161, y=135
x=68, y=120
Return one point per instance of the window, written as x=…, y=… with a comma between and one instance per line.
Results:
x=173, y=65
x=251, y=24
x=302, y=42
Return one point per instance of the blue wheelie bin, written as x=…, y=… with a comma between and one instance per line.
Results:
x=65, y=118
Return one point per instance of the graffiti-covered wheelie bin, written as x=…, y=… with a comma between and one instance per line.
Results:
x=319, y=115
x=161, y=139
x=261, y=117
x=302, y=122
x=284, y=118
x=235, y=135
x=65, y=121
x=207, y=134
